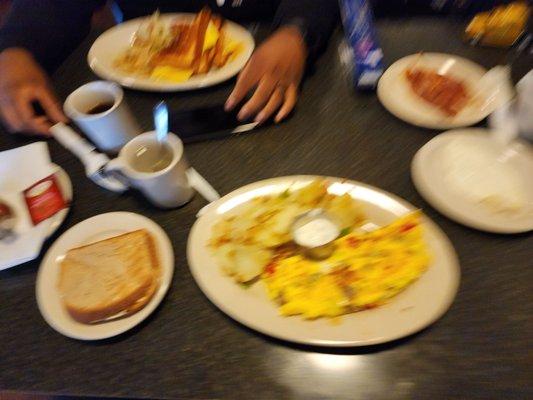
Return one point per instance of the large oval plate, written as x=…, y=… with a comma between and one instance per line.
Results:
x=412, y=310
x=116, y=40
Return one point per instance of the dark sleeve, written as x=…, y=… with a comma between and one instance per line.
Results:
x=441, y=7
x=49, y=29
x=316, y=19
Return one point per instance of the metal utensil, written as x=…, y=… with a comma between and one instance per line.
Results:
x=203, y=187
x=161, y=122
x=93, y=161
x=196, y=180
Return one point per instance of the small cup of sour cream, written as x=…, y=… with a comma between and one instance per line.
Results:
x=315, y=231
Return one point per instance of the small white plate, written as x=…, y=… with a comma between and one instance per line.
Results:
x=429, y=177
x=418, y=306
x=396, y=95
x=116, y=40
x=93, y=229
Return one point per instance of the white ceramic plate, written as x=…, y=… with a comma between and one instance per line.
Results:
x=114, y=41
x=412, y=310
x=397, y=97
x=93, y=229
x=428, y=174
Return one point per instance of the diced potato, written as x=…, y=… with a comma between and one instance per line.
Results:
x=345, y=211
x=311, y=194
x=224, y=255
x=282, y=221
x=249, y=262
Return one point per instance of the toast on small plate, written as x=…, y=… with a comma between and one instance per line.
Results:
x=116, y=275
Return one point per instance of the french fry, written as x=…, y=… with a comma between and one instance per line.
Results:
x=220, y=58
x=200, y=25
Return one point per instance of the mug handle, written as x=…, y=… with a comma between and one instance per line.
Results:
x=114, y=169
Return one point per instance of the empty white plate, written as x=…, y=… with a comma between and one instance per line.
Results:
x=396, y=95
x=116, y=40
x=472, y=179
x=418, y=306
x=91, y=230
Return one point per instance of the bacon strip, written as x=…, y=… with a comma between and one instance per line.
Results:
x=444, y=92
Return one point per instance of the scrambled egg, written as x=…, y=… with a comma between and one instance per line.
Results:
x=171, y=74
x=365, y=271
x=211, y=36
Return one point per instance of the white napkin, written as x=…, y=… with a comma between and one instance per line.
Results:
x=19, y=169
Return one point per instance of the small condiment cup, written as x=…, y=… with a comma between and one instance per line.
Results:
x=315, y=232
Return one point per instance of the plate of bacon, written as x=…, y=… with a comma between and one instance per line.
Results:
x=171, y=52
x=436, y=91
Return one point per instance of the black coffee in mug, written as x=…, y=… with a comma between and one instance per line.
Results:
x=100, y=108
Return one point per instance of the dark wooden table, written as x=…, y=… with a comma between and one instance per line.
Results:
x=188, y=349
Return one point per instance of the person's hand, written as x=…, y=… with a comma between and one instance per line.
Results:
x=275, y=71
x=22, y=82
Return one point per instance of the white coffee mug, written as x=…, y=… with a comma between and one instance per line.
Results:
x=166, y=187
x=108, y=130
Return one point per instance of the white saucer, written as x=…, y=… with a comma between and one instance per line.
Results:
x=93, y=229
x=397, y=97
x=429, y=177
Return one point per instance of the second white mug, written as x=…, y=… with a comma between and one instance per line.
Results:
x=159, y=172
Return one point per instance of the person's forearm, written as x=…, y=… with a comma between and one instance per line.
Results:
x=315, y=18
x=49, y=29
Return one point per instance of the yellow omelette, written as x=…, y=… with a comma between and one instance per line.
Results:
x=365, y=270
